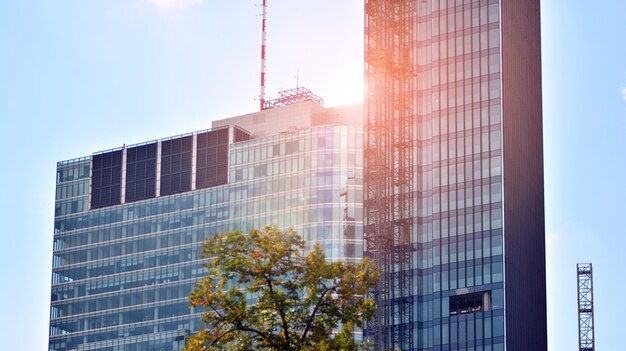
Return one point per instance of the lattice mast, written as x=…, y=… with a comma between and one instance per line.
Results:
x=263, y=46
x=585, y=307
x=388, y=175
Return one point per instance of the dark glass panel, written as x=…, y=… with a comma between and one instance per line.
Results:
x=141, y=172
x=212, y=153
x=106, y=179
x=175, y=165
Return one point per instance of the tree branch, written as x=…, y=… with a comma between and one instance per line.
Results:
x=217, y=312
x=281, y=312
x=221, y=336
x=264, y=336
x=317, y=306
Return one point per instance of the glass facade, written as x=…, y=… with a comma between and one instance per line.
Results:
x=122, y=273
x=459, y=229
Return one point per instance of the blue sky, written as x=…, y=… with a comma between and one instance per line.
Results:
x=80, y=76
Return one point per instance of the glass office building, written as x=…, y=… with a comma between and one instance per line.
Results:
x=129, y=222
x=453, y=89
x=470, y=93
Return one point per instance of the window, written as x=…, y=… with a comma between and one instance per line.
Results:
x=470, y=303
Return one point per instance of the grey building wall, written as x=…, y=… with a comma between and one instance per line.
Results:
x=524, y=220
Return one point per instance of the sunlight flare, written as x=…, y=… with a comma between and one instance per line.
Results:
x=171, y=3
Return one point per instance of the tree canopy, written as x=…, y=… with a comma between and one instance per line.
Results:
x=262, y=293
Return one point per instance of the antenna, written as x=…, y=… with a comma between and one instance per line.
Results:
x=263, y=44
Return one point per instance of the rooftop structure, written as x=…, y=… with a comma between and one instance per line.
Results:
x=293, y=96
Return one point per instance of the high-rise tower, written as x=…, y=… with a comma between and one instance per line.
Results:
x=454, y=174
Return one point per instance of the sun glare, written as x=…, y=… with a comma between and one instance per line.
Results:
x=170, y=3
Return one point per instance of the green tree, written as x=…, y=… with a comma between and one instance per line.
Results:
x=262, y=293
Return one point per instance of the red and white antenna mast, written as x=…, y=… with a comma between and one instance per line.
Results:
x=263, y=44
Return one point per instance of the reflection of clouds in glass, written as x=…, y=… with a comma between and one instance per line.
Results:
x=169, y=3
